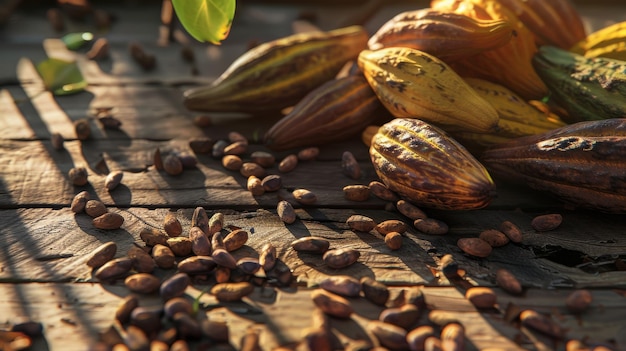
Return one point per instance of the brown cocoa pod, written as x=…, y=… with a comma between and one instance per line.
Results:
x=267, y=257
x=340, y=258
x=389, y=335
x=475, y=247
x=226, y=292
x=288, y=163
x=393, y=240
x=332, y=304
x=494, y=237
x=391, y=225
x=431, y=226
x=163, y=256
x=236, y=148
x=404, y=316
x=177, y=305
x=263, y=159
x=142, y=283
x=82, y=129
x=108, y=221
x=200, y=219
x=113, y=179
x=125, y=308
x=381, y=191
x=224, y=258
x=171, y=225
x=180, y=246
x=304, y=196
x=350, y=166
x=174, y=286
x=78, y=176
x=79, y=202
x=102, y=254
x=508, y=282
x=512, y=231
x=216, y=223
x=286, y=212
x=254, y=186
x=361, y=223
x=272, y=182
x=410, y=210
x=537, y=321
x=481, y=297
x=578, y=301
x=356, y=192
x=172, y=165
x=417, y=337
x=547, y=222
x=153, y=236
x=235, y=239
x=311, y=244
x=374, y=291
x=453, y=337
x=252, y=169
x=113, y=269
x=95, y=208
x=308, y=154
x=200, y=244
x=197, y=265
x=232, y=162
x=343, y=285
x=201, y=145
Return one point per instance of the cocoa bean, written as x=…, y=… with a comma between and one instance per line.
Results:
x=508, y=282
x=113, y=179
x=224, y=258
x=102, y=254
x=57, y=140
x=311, y=244
x=267, y=257
x=27, y=326
x=272, y=182
x=202, y=121
x=350, y=166
x=286, y=212
x=99, y=50
x=494, y=237
x=79, y=202
x=142, y=261
x=163, y=256
x=304, y=196
x=413, y=295
x=356, y=192
x=113, y=269
x=417, y=337
x=539, y=322
x=361, y=223
x=226, y=292
x=236, y=148
x=317, y=338
x=235, y=239
x=187, y=326
x=343, y=285
x=152, y=236
x=254, y=186
x=78, y=176
x=222, y=274
x=248, y=265
x=180, y=246
x=200, y=219
x=578, y=301
x=145, y=60
x=148, y=320
x=391, y=225
x=374, y=291
x=340, y=258
x=108, y=221
x=125, y=308
x=142, y=283
x=187, y=159
x=449, y=266
x=158, y=160
x=216, y=223
x=547, y=222
x=95, y=208
x=217, y=241
x=332, y=304
x=410, y=210
x=308, y=154
x=201, y=145
x=218, y=149
x=200, y=244
x=288, y=163
x=82, y=129
x=393, y=240
x=171, y=225
x=234, y=137
x=433, y=343
x=172, y=165
x=453, y=337
x=381, y=191
x=197, y=265
x=263, y=159
x=110, y=122
x=512, y=231
x=250, y=341
x=215, y=330
x=481, y=297
x=404, y=316
x=475, y=247
x=389, y=335
x=174, y=286
x=431, y=226
x=177, y=305
x=252, y=169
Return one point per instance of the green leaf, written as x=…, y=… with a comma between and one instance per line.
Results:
x=75, y=41
x=206, y=20
x=61, y=77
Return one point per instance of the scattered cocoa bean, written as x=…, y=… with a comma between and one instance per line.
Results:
x=374, y=291
x=201, y=145
x=153, y=236
x=99, y=50
x=286, y=212
x=494, y=237
x=317, y=338
x=508, y=282
x=343, y=285
x=108, y=221
x=404, y=316
x=139, y=55
x=361, y=223
x=393, y=240
x=180, y=246
x=267, y=257
x=163, y=256
x=200, y=244
x=232, y=162
x=288, y=164
x=135, y=339
x=254, y=186
x=187, y=159
x=27, y=326
x=235, y=239
x=79, y=202
x=381, y=191
x=252, y=169
x=158, y=160
x=433, y=343
x=304, y=196
x=250, y=341
x=332, y=304
x=216, y=223
x=218, y=148
x=113, y=179
x=512, y=231
x=222, y=274
x=142, y=283
x=82, y=129
x=172, y=165
x=481, y=297
x=215, y=330
x=95, y=208
x=308, y=154
x=391, y=225
x=547, y=222
x=453, y=337
x=263, y=159
x=236, y=148
x=197, y=265
x=142, y=261
x=125, y=308
x=350, y=166
x=356, y=192
x=410, y=210
x=114, y=269
x=431, y=226
x=413, y=295
x=200, y=219
x=248, y=265
x=578, y=301
x=417, y=337
x=110, y=122
x=102, y=254
x=174, y=286
x=187, y=326
x=224, y=258
x=217, y=241
x=148, y=320
x=171, y=225
x=234, y=137
x=539, y=322
x=78, y=176
x=226, y=292
x=449, y=266
x=177, y=305
x=389, y=335
x=57, y=140
x=311, y=244
x=475, y=247
x=442, y=318
x=272, y=182
x=340, y=258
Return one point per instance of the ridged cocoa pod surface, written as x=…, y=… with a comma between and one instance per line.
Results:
x=336, y=110
x=582, y=164
x=425, y=166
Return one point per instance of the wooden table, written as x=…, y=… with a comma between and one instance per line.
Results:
x=44, y=246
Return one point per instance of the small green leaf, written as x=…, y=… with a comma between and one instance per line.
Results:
x=75, y=41
x=61, y=77
x=206, y=20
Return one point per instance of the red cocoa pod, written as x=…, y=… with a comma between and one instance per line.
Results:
x=475, y=247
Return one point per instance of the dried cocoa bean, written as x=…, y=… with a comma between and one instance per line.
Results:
x=453, y=337
x=272, y=182
x=224, y=258
x=172, y=165
x=125, y=308
x=304, y=196
x=537, y=321
x=311, y=244
x=389, y=335
x=171, y=225
x=200, y=244
x=108, y=221
x=263, y=159
x=332, y=304
x=113, y=179
x=475, y=247
x=248, y=265
x=142, y=261
x=99, y=50
x=340, y=258
x=235, y=239
x=145, y=60
x=393, y=240
x=317, y=338
x=417, y=337
x=350, y=166
x=218, y=149
x=177, y=305
x=197, y=265
x=374, y=291
x=391, y=225
x=236, y=148
x=148, y=320
x=404, y=316
x=187, y=159
x=163, y=256
x=158, y=160
x=255, y=186
x=174, y=286
x=57, y=140
x=512, y=231
x=102, y=254
x=508, y=282
x=215, y=330
x=343, y=285
x=216, y=223
x=431, y=226
x=288, y=163
x=286, y=212
x=494, y=237
x=82, y=129
x=356, y=192
x=381, y=191
x=79, y=202
x=200, y=219
x=267, y=257
x=201, y=145
x=222, y=274
x=547, y=222
x=361, y=223
x=95, y=208
x=180, y=246
x=142, y=283
x=227, y=292
x=252, y=169
x=153, y=236
x=481, y=297
x=78, y=176
x=449, y=266
x=578, y=301
x=308, y=154
x=113, y=269
x=187, y=326
x=410, y=210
